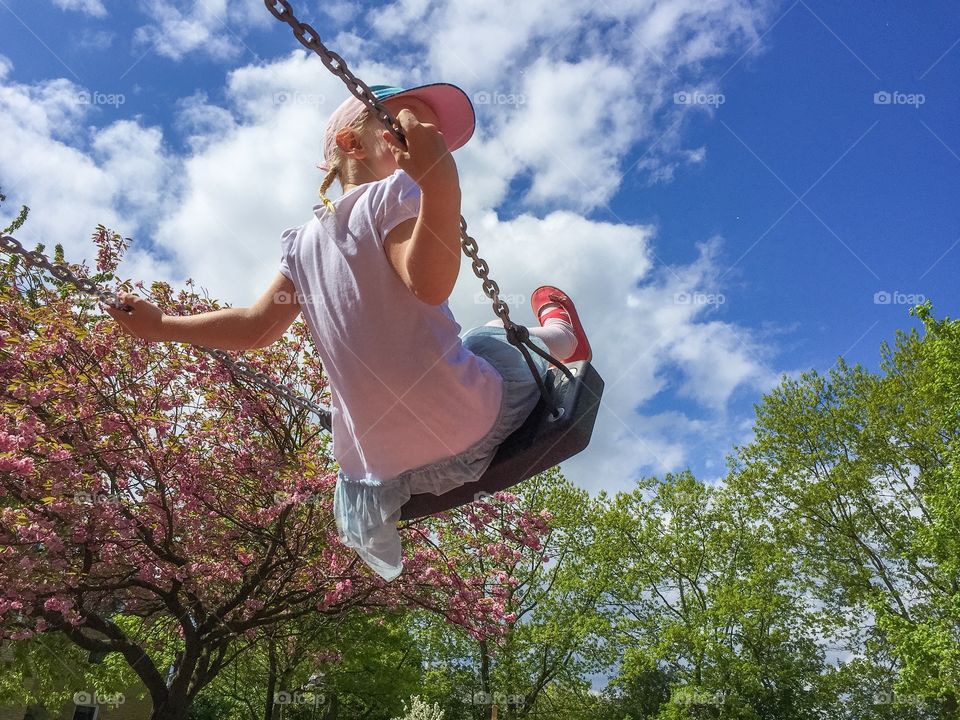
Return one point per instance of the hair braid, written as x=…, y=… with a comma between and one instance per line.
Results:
x=331, y=175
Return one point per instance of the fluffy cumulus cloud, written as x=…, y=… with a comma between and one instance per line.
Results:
x=90, y=7
x=655, y=331
x=578, y=92
x=206, y=27
x=63, y=156
x=566, y=109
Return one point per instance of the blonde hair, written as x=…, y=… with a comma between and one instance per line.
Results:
x=336, y=163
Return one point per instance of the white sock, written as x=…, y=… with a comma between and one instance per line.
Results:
x=557, y=334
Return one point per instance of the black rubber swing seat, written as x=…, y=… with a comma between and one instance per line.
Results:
x=540, y=443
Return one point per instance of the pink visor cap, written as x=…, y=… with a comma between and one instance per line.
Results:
x=451, y=105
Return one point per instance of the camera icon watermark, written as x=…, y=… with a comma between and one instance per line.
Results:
x=511, y=299
x=696, y=97
x=293, y=97
x=498, y=698
x=88, y=498
x=883, y=297
x=282, y=297
x=895, y=97
x=484, y=495
x=299, y=697
x=699, y=298
x=688, y=697
x=280, y=498
x=499, y=98
x=86, y=97
x=887, y=697
x=88, y=699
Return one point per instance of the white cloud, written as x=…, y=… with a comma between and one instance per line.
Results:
x=73, y=176
x=201, y=122
x=716, y=357
x=597, y=79
x=141, y=173
x=569, y=133
x=90, y=7
x=207, y=27
x=341, y=11
x=252, y=175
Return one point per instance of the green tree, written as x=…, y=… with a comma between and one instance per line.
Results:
x=858, y=471
x=709, y=598
x=364, y=665
x=540, y=667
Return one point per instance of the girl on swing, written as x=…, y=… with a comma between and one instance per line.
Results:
x=416, y=407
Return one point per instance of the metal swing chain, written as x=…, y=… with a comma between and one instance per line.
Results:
x=518, y=335
x=244, y=369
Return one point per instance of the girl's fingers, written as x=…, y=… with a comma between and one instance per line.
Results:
x=407, y=119
x=125, y=304
x=391, y=140
x=399, y=152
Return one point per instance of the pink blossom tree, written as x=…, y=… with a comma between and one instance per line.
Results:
x=146, y=481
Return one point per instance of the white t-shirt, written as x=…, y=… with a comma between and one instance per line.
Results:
x=405, y=392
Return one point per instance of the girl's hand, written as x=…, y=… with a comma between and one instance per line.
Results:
x=144, y=320
x=426, y=158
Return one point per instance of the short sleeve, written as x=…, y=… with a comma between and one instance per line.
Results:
x=398, y=201
x=286, y=250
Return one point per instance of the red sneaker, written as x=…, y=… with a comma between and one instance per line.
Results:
x=549, y=294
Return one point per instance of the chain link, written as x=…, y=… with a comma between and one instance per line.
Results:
x=310, y=39
x=240, y=367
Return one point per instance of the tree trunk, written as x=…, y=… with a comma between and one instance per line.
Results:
x=269, y=704
x=950, y=705
x=333, y=711
x=171, y=709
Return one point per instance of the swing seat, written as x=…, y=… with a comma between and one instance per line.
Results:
x=540, y=443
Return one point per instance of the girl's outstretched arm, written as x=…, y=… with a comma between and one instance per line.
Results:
x=229, y=329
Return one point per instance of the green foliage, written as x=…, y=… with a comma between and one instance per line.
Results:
x=18, y=221
x=859, y=473
x=210, y=706
x=48, y=670
x=362, y=666
x=540, y=667
x=709, y=602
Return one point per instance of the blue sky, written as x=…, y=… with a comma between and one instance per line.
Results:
x=718, y=185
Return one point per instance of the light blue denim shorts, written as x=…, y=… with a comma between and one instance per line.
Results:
x=520, y=396
x=367, y=510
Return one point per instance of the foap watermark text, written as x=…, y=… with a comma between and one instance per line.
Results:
x=884, y=297
x=696, y=97
x=86, y=97
x=698, y=298
x=895, y=97
x=499, y=98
